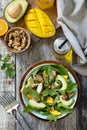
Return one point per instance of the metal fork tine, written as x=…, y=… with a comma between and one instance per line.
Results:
x=4, y=101
x=10, y=95
x=2, y=104
x=8, y=98
x=9, y=103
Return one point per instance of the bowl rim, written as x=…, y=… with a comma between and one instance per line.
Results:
x=11, y=30
x=47, y=62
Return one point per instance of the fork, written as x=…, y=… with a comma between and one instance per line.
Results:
x=9, y=103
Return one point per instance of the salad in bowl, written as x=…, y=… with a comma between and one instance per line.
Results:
x=49, y=90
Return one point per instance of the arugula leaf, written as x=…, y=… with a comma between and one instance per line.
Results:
x=48, y=70
x=50, y=92
x=48, y=73
x=52, y=117
x=36, y=70
x=28, y=108
x=63, y=109
x=71, y=87
x=60, y=69
x=33, y=93
x=56, y=98
x=45, y=110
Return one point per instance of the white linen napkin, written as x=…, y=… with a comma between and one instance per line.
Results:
x=72, y=16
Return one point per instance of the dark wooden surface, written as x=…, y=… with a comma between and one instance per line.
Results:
x=40, y=49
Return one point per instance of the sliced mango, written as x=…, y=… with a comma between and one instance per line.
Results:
x=44, y=1
x=55, y=112
x=50, y=100
x=65, y=77
x=28, y=95
x=39, y=23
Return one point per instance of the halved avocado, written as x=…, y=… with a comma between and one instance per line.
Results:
x=14, y=11
x=36, y=104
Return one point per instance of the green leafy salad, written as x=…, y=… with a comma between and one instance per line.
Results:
x=50, y=91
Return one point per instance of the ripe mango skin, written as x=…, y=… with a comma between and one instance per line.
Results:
x=39, y=23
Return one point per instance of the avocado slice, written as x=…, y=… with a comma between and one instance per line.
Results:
x=29, y=84
x=25, y=89
x=13, y=8
x=63, y=81
x=30, y=81
x=66, y=103
x=36, y=104
x=45, y=75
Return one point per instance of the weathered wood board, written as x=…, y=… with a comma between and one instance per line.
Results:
x=40, y=50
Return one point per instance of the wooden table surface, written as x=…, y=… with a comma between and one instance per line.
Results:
x=40, y=49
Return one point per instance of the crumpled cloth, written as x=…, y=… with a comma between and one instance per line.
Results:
x=72, y=17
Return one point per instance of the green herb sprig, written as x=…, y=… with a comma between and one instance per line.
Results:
x=7, y=66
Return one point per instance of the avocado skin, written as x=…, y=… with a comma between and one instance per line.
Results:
x=24, y=5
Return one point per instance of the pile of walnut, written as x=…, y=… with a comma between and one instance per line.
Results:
x=17, y=40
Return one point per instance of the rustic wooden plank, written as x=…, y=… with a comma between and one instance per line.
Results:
x=40, y=49
x=6, y=121
x=82, y=105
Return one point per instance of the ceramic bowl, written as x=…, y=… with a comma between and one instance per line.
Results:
x=72, y=76
x=17, y=39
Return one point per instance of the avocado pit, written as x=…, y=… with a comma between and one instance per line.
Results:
x=14, y=10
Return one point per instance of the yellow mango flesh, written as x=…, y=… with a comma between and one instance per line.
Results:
x=28, y=96
x=44, y=1
x=55, y=112
x=50, y=100
x=39, y=23
x=65, y=77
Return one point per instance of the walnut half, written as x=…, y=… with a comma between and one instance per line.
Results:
x=17, y=40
